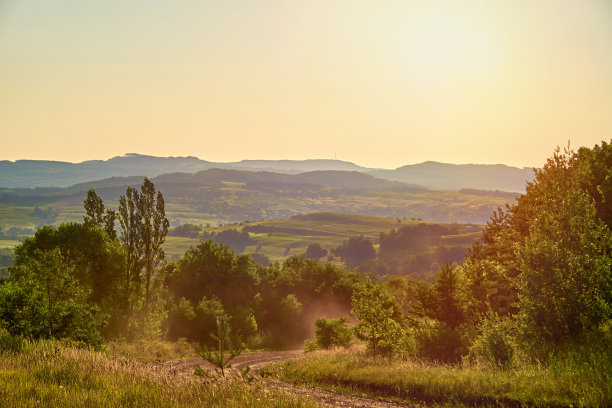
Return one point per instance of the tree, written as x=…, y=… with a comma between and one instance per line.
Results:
x=314, y=251
x=550, y=254
x=95, y=262
x=152, y=231
x=379, y=319
x=565, y=286
x=330, y=333
x=356, y=251
x=225, y=343
x=42, y=298
x=129, y=221
x=94, y=214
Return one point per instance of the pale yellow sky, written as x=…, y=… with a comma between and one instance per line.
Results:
x=379, y=83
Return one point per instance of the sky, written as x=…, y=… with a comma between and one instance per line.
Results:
x=379, y=83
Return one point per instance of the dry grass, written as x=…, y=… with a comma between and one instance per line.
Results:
x=48, y=374
x=577, y=379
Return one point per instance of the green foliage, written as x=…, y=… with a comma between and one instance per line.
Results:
x=315, y=251
x=496, y=343
x=43, y=299
x=236, y=240
x=225, y=344
x=330, y=333
x=565, y=284
x=185, y=230
x=379, y=320
x=356, y=251
x=94, y=260
x=94, y=214
x=566, y=272
x=143, y=230
x=194, y=323
x=550, y=254
x=437, y=342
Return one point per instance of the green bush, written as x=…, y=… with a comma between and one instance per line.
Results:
x=435, y=341
x=330, y=333
x=495, y=344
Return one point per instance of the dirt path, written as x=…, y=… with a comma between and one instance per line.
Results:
x=259, y=360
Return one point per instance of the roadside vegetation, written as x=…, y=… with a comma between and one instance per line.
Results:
x=60, y=374
x=580, y=377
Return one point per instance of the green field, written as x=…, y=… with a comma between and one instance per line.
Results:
x=327, y=229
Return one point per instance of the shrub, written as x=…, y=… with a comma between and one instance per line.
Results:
x=495, y=344
x=330, y=333
x=436, y=341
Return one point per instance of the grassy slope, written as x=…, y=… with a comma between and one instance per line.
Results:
x=578, y=379
x=48, y=374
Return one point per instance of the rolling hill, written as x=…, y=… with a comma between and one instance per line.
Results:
x=39, y=173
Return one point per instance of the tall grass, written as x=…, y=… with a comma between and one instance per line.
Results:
x=579, y=378
x=45, y=373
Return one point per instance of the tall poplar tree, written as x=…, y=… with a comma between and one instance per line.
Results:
x=129, y=220
x=152, y=229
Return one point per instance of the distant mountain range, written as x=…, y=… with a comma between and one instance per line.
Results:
x=432, y=175
x=219, y=196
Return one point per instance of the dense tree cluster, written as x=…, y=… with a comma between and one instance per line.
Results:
x=540, y=276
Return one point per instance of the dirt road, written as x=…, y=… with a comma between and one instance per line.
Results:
x=259, y=360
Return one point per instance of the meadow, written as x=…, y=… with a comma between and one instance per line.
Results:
x=55, y=374
x=580, y=376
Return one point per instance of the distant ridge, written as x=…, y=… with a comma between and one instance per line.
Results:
x=445, y=176
x=434, y=175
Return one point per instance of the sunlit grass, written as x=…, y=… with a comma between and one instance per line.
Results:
x=576, y=379
x=48, y=374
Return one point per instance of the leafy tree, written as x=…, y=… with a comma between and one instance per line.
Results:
x=95, y=262
x=186, y=321
x=550, y=253
x=94, y=214
x=356, y=251
x=236, y=240
x=314, y=251
x=94, y=208
x=43, y=299
x=330, y=333
x=186, y=230
x=379, y=319
x=565, y=286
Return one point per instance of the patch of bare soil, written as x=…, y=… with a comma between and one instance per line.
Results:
x=259, y=360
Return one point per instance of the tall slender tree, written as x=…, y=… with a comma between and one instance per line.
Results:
x=129, y=220
x=153, y=228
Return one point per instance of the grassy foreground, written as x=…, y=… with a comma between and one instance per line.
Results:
x=578, y=380
x=48, y=374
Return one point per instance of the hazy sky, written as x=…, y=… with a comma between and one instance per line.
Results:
x=380, y=83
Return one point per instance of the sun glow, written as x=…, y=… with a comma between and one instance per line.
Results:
x=449, y=48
